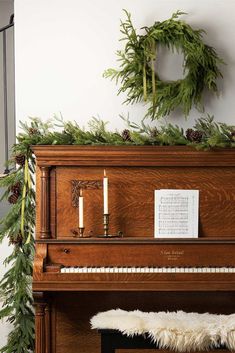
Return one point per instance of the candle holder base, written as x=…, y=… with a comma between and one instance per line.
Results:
x=108, y=236
x=80, y=233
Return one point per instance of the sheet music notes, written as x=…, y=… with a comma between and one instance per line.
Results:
x=176, y=213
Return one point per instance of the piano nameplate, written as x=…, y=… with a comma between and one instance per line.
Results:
x=172, y=255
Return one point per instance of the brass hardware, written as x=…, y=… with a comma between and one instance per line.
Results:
x=66, y=251
x=106, y=229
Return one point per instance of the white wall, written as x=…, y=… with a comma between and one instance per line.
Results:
x=63, y=47
x=6, y=9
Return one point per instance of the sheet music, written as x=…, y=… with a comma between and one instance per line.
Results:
x=176, y=213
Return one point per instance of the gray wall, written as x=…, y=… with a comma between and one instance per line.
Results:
x=6, y=9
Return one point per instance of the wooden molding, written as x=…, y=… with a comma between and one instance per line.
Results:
x=45, y=232
x=40, y=333
x=132, y=156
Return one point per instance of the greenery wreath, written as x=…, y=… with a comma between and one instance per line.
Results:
x=137, y=66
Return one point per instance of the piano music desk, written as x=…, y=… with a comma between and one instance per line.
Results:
x=75, y=278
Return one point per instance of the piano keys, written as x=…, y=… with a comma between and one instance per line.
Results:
x=126, y=269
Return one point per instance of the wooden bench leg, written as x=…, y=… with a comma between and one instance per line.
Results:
x=107, y=344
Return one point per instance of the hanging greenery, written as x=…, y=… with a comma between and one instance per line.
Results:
x=18, y=225
x=137, y=62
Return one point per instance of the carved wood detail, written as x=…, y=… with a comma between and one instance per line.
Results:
x=45, y=232
x=77, y=185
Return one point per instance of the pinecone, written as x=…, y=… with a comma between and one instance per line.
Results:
x=16, y=188
x=20, y=159
x=13, y=198
x=233, y=135
x=16, y=240
x=194, y=135
x=126, y=135
x=154, y=132
x=33, y=131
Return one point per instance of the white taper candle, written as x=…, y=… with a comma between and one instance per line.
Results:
x=105, y=190
x=81, y=210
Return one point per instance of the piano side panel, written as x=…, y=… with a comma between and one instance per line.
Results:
x=72, y=312
x=131, y=198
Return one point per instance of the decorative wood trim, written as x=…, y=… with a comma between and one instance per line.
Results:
x=45, y=232
x=77, y=185
x=40, y=305
x=148, y=156
x=140, y=285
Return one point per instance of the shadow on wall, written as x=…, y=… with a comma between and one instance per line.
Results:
x=6, y=10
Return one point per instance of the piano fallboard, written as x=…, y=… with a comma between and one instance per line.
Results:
x=136, y=264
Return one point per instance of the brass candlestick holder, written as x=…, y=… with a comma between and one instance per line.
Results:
x=106, y=229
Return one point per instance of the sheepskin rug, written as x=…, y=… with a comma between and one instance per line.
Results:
x=178, y=331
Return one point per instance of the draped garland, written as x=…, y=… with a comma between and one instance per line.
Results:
x=136, y=73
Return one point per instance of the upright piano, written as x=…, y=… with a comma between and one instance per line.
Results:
x=76, y=277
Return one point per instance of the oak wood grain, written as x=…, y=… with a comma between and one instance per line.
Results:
x=131, y=199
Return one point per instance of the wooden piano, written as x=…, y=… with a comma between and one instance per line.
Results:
x=74, y=277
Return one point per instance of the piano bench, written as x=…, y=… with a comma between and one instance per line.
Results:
x=114, y=339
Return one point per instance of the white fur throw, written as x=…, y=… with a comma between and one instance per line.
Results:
x=178, y=331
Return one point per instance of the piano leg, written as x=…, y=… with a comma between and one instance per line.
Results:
x=42, y=323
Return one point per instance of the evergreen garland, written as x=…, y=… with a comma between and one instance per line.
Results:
x=18, y=224
x=136, y=72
